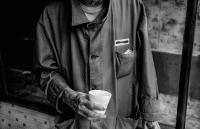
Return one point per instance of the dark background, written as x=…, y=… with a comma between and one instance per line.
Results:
x=19, y=21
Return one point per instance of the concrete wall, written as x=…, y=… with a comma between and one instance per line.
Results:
x=166, y=22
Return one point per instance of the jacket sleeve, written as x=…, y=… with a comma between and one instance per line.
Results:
x=46, y=65
x=148, y=88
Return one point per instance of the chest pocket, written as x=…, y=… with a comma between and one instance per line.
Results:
x=125, y=61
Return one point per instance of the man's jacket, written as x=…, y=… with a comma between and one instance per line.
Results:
x=112, y=53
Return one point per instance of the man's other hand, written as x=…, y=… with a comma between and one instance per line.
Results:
x=81, y=104
x=150, y=125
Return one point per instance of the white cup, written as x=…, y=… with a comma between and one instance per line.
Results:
x=100, y=97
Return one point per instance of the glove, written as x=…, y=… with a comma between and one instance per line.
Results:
x=150, y=125
x=81, y=104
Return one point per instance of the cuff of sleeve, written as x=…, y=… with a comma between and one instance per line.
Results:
x=55, y=91
x=151, y=110
x=60, y=104
x=61, y=107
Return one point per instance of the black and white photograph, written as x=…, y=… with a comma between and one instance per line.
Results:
x=100, y=64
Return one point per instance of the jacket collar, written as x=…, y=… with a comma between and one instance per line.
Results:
x=78, y=16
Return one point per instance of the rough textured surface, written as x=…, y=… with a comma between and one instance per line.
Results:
x=17, y=117
x=170, y=108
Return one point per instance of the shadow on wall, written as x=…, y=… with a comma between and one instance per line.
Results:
x=168, y=67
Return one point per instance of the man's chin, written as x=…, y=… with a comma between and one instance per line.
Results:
x=91, y=3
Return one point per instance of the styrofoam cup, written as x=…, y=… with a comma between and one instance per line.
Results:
x=100, y=97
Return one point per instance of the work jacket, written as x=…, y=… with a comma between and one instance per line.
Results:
x=111, y=53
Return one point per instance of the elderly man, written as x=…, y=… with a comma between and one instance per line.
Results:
x=84, y=45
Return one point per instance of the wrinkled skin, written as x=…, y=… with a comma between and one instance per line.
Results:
x=81, y=104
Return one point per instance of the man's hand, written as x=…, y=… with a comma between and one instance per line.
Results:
x=150, y=125
x=81, y=104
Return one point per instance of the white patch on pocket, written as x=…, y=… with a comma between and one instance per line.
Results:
x=128, y=52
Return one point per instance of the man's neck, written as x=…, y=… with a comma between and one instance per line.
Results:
x=91, y=12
